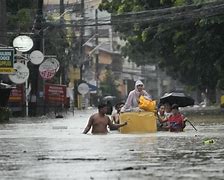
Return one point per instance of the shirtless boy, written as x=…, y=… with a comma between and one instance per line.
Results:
x=99, y=122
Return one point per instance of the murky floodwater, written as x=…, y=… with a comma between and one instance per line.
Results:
x=42, y=148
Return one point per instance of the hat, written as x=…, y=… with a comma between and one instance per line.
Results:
x=138, y=82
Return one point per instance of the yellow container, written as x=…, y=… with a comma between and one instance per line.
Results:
x=138, y=122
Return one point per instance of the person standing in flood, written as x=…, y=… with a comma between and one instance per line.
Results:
x=132, y=101
x=116, y=115
x=100, y=121
x=176, y=121
x=161, y=118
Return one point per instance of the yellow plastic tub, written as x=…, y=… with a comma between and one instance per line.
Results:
x=138, y=122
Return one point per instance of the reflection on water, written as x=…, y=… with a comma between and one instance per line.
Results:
x=56, y=149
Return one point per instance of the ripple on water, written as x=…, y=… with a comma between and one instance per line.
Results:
x=56, y=149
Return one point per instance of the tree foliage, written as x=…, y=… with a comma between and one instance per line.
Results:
x=13, y=6
x=108, y=86
x=20, y=15
x=190, y=51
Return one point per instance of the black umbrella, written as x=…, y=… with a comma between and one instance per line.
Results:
x=109, y=98
x=178, y=98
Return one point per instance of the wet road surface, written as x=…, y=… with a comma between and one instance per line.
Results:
x=49, y=149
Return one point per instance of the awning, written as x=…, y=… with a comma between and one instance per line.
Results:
x=92, y=87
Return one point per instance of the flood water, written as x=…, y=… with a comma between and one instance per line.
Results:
x=48, y=149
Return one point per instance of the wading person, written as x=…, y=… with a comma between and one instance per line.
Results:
x=161, y=118
x=99, y=122
x=168, y=110
x=116, y=116
x=176, y=121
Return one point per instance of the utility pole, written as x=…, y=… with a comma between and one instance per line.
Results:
x=80, y=55
x=97, y=55
x=82, y=32
x=62, y=66
x=2, y=22
x=3, y=31
x=38, y=43
x=62, y=10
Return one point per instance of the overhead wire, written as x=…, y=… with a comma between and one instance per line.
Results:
x=171, y=16
x=145, y=16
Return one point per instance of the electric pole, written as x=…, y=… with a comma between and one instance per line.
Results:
x=62, y=10
x=38, y=43
x=82, y=32
x=97, y=55
x=3, y=22
x=3, y=33
x=62, y=66
x=80, y=54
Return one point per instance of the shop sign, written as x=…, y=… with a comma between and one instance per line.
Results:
x=6, y=60
x=17, y=94
x=55, y=93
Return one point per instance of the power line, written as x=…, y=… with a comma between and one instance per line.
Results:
x=172, y=16
x=158, y=16
x=165, y=15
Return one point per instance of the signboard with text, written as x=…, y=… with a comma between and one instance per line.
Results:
x=49, y=68
x=17, y=94
x=6, y=60
x=55, y=93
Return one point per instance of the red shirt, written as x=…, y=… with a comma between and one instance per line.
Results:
x=178, y=119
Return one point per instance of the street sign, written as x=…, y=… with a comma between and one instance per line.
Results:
x=21, y=74
x=74, y=74
x=7, y=70
x=55, y=93
x=48, y=68
x=23, y=43
x=83, y=88
x=17, y=94
x=36, y=57
x=6, y=61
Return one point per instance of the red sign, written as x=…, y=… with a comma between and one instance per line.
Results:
x=47, y=74
x=55, y=93
x=17, y=94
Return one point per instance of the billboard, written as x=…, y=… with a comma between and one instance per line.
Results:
x=6, y=60
x=17, y=94
x=55, y=93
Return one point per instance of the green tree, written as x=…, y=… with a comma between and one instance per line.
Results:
x=55, y=44
x=190, y=51
x=13, y=6
x=20, y=15
x=108, y=86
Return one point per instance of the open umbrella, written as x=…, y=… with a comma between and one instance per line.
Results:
x=109, y=98
x=178, y=98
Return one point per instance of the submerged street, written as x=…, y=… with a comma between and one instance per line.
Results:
x=160, y=57
x=46, y=148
